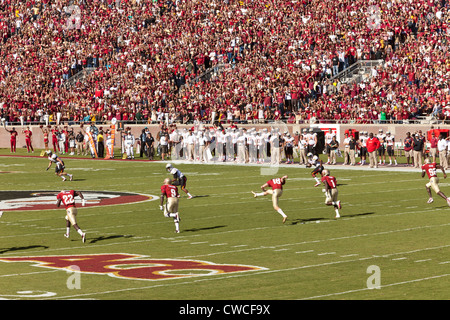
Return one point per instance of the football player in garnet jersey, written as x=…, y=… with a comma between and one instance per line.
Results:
x=68, y=200
x=331, y=192
x=170, y=210
x=430, y=169
x=59, y=170
x=276, y=192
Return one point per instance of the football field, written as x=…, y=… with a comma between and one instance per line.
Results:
x=388, y=244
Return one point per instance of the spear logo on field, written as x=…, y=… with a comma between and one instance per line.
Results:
x=45, y=200
x=133, y=266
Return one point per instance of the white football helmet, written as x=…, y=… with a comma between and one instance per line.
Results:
x=309, y=155
x=426, y=161
x=169, y=167
x=326, y=172
x=315, y=158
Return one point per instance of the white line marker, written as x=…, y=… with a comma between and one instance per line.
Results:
x=423, y=260
x=325, y=253
x=306, y=251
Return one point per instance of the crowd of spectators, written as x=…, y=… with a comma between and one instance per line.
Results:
x=271, y=60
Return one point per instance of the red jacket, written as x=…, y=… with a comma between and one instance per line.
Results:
x=372, y=144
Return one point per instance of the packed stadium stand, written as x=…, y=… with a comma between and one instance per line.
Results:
x=143, y=61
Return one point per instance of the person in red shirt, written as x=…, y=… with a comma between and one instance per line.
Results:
x=433, y=146
x=28, y=135
x=430, y=168
x=331, y=192
x=170, y=192
x=68, y=200
x=13, y=140
x=55, y=133
x=277, y=190
x=372, y=144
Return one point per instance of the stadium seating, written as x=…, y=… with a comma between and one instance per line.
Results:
x=186, y=61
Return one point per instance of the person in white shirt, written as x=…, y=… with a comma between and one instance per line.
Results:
x=382, y=149
x=240, y=142
x=302, y=145
x=390, y=146
x=328, y=138
x=312, y=141
x=62, y=141
x=443, y=145
x=190, y=146
x=362, y=146
x=164, y=145
x=129, y=142
x=346, y=143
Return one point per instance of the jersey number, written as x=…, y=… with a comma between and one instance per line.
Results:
x=68, y=199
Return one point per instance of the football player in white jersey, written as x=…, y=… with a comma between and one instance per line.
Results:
x=316, y=163
x=129, y=142
x=179, y=179
x=289, y=148
x=382, y=149
x=390, y=144
x=59, y=170
x=302, y=144
x=328, y=138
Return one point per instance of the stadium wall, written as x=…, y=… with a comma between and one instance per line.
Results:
x=397, y=130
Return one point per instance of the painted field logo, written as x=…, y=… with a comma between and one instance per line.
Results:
x=45, y=200
x=132, y=266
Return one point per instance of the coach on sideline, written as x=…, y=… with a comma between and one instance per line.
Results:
x=372, y=145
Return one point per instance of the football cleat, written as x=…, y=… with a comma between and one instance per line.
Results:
x=66, y=235
x=83, y=237
x=190, y=197
x=339, y=204
x=317, y=184
x=431, y=200
x=254, y=194
x=448, y=201
x=70, y=177
x=284, y=219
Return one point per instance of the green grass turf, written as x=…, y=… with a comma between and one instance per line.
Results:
x=385, y=222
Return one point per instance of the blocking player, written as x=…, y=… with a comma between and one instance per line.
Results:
x=179, y=179
x=68, y=200
x=430, y=169
x=59, y=170
x=170, y=209
x=331, y=192
x=276, y=192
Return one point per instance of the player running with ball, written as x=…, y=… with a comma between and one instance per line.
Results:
x=430, y=169
x=276, y=192
x=170, y=210
x=68, y=200
x=331, y=192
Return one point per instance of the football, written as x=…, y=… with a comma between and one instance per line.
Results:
x=308, y=165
